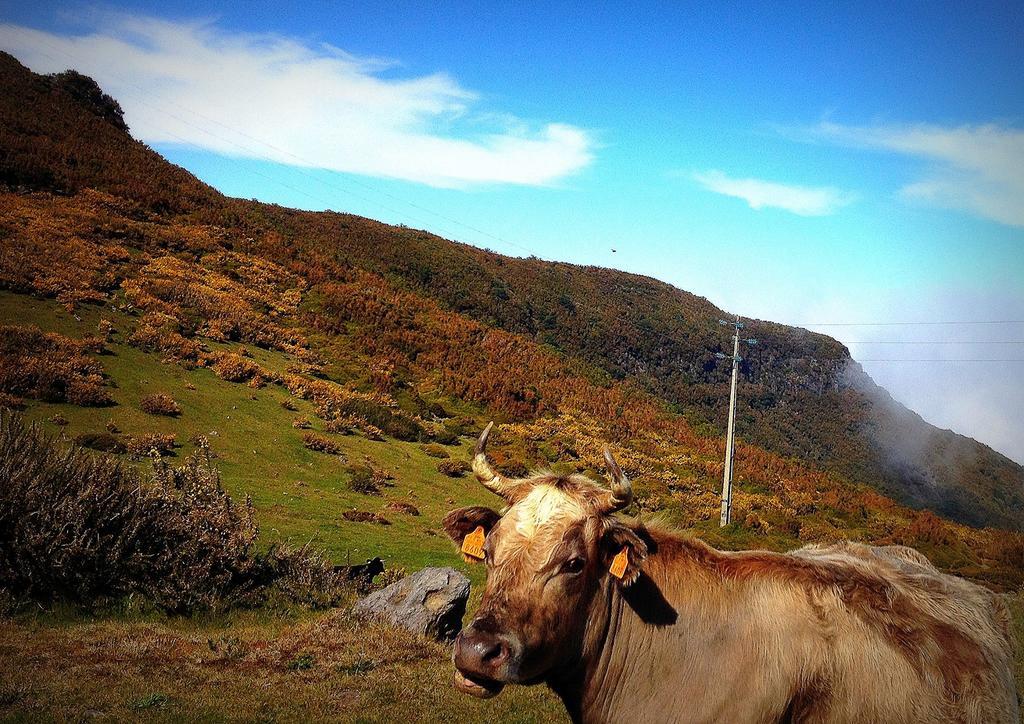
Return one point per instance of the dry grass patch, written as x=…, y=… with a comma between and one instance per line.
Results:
x=329, y=667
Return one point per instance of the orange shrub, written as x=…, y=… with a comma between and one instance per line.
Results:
x=319, y=443
x=160, y=403
x=234, y=368
x=50, y=367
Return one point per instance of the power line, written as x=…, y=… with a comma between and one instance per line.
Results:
x=937, y=341
x=897, y=324
x=939, y=360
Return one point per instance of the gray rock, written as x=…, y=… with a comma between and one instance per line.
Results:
x=429, y=602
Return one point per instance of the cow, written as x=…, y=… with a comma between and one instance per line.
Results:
x=632, y=622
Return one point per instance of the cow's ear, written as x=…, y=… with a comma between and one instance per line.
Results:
x=624, y=553
x=460, y=523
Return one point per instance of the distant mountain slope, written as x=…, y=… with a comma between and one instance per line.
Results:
x=801, y=395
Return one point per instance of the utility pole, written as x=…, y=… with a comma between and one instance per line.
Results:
x=730, y=448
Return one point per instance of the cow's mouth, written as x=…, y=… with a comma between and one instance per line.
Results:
x=477, y=686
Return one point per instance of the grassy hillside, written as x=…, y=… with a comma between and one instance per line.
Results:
x=800, y=395
x=300, y=494
x=332, y=356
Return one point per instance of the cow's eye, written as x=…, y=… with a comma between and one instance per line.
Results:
x=573, y=565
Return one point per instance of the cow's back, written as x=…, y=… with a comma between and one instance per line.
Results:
x=954, y=635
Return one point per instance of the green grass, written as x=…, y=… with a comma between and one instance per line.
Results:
x=299, y=494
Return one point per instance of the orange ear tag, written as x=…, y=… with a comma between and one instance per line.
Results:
x=473, y=544
x=620, y=562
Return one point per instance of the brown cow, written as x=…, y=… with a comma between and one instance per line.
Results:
x=845, y=633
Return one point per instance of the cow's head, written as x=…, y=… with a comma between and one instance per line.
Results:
x=548, y=556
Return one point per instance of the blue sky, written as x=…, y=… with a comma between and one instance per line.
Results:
x=796, y=162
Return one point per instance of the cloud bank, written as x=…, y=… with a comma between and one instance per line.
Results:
x=978, y=169
x=760, y=194
x=235, y=93
x=978, y=399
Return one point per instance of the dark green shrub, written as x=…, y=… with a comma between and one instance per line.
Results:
x=392, y=422
x=362, y=479
x=444, y=436
x=434, y=450
x=453, y=468
x=102, y=441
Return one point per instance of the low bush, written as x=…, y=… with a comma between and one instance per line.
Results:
x=361, y=479
x=160, y=403
x=158, y=332
x=388, y=577
x=234, y=368
x=344, y=425
x=453, y=468
x=400, y=506
x=102, y=441
x=392, y=422
x=434, y=450
x=140, y=446
x=81, y=527
x=364, y=516
x=444, y=436
x=460, y=426
x=319, y=443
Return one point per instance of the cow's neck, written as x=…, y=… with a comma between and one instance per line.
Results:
x=638, y=638
x=582, y=686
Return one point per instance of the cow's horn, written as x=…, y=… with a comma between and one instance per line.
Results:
x=482, y=468
x=621, y=493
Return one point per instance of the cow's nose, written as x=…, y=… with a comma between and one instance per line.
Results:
x=481, y=652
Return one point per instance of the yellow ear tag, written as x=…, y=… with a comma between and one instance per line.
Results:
x=620, y=562
x=473, y=544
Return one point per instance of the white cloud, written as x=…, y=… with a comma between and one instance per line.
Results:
x=759, y=194
x=979, y=169
x=233, y=93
